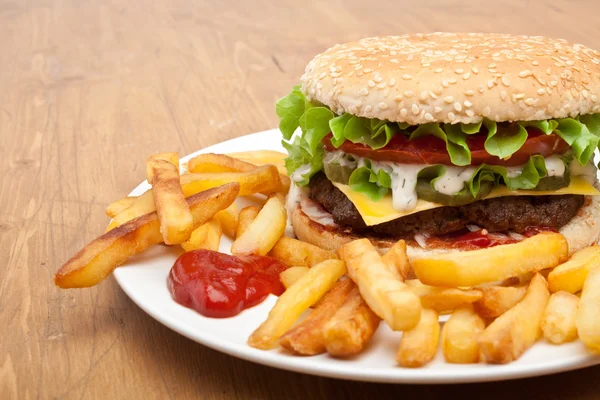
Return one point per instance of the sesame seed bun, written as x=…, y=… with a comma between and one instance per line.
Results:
x=582, y=231
x=456, y=77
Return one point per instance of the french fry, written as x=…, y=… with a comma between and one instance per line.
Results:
x=211, y=162
x=419, y=345
x=385, y=294
x=558, y=323
x=207, y=236
x=262, y=233
x=496, y=300
x=472, y=268
x=245, y=218
x=118, y=206
x=397, y=260
x=306, y=338
x=229, y=219
x=172, y=158
x=100, y=257
x=294, y=252
x=442, y=299
x=460, y=334
x=588, y=314
x=295, y=300
x=261, y=179
x=291, y=275
x=176, y=221
x=570, y=276
x=512, y=333
x=351, y=326
x=262, y=157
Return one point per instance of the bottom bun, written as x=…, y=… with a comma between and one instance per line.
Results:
x=582, y=231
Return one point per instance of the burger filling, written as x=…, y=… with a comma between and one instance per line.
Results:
x=393, y=179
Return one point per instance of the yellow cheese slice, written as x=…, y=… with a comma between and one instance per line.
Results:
x=374, y=213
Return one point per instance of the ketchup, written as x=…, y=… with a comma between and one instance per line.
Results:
x=481, y=238
x=219, y=285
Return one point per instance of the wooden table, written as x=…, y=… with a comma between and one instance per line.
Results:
x=87, y=92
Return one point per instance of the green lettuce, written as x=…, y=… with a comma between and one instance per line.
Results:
x=503, y=139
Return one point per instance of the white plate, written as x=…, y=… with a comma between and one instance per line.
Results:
x=144, y=281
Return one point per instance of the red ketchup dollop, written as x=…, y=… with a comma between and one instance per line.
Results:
x=219, y=285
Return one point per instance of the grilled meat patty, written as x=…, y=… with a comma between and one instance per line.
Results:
x=500, y=214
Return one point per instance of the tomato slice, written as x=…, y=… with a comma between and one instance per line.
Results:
x=431, y=150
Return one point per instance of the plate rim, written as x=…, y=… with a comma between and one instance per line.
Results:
x=458, y=374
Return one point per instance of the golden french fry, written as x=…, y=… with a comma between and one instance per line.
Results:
x=570, y=276
x=496, y=300
x=419, y=345
x=207, y=236
x=100, y=257
x=460, y=334
x=472, y=268
x=262, y=233
x=262, y=157
x=588, y=314
x=512, y=333
x=558, y=323
x=350, y=327
x=294, y=252
x=229, y=219
x=397, y=260
x=211, y=162
x=295, y=300
x=118, y=206
x=385, y=294
x=442, y=299
x=306, y=338
x=261, y=179
x=245, y=218
x=176, y=221
x=291, y=275
x=173, y=158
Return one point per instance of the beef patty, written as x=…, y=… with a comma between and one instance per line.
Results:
x=500, y=214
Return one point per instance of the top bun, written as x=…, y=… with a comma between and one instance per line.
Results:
x=456, y=77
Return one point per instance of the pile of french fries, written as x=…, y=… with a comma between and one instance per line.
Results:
x=500, y=300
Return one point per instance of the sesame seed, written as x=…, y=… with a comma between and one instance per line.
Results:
x=467, y=103
x=409, y=93
x=470, y=113
x=378, y=79
x=445, y=83
x=584, y=93
x=535, y=63
x=529, y=101
x=457, y=106
x=322, y=75
x=406, y=77
x=553, y=83
x=459, y=71
x=433, y=95
x=371, y=83
x=541, y=91
x=452, y=80
x=505, y=81
x=451, y=116
x=469, y=93
x=492, y=65
x=398, y=98
x=392, y=82
x=525, y=73
x=319, y=85
x=367, y=70
x=363, y=91
x=368, y=108
x=448, y=99
x=519, y=96
x=383, y=105
x=491, y=83
x=475, y=70
x=381, y=85
x=466, y=75
x=423, y=96
x=415, y=109
x=437, y=109
x=486, y=111
x=403, y=113
x=438, y=70
x=428, y=117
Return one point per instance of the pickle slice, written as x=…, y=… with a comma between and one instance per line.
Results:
x=337, y=173
x=426, y=192
x=553, y=182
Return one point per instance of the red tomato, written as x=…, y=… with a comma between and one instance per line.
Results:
x=219, y=285
x=431, y=150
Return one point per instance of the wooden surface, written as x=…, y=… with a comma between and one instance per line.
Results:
x=87, y=91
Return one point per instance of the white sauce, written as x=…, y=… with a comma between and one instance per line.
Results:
x=297, y=175
x=513, y=172
x=555, y=166
x=341, y=158
x=316, y=212
x=453, y=181
x=587, y=171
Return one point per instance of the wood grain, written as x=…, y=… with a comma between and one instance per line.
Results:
x=89, y=89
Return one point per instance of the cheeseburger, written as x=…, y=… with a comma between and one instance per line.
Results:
x=450, y=141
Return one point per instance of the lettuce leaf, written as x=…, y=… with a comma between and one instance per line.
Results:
x=503, y=139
